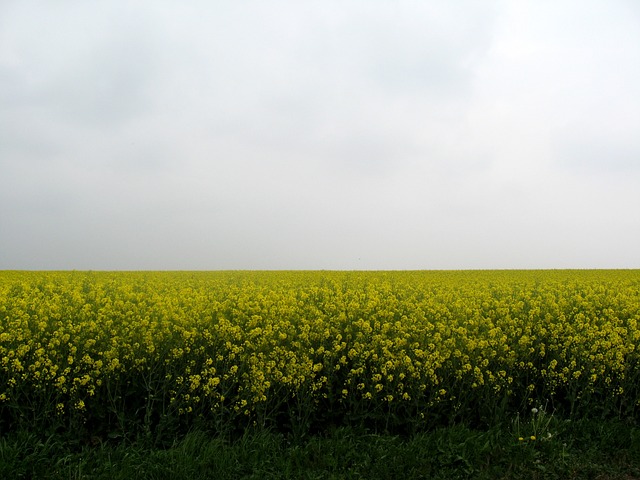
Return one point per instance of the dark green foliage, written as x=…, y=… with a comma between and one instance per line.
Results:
x=587, y=449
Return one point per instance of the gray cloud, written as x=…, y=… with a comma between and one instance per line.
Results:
x=350, y=134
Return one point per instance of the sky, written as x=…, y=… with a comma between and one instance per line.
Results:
x=350, y=135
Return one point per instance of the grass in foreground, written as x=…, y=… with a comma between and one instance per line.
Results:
x=584, y=449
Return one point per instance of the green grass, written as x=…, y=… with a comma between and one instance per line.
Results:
x=590, y=449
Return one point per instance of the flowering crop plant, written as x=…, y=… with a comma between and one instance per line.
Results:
x=121, y=353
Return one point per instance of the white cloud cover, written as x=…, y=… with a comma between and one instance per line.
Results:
x=319, y=135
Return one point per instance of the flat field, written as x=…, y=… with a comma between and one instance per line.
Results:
x=110, y=355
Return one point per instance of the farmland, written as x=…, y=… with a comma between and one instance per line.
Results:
x=109, y=356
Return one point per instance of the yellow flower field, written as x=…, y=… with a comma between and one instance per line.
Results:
x=114, y=351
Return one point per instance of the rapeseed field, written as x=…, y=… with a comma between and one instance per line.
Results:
x=122, y=353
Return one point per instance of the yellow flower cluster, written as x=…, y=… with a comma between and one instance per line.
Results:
x=255, y=343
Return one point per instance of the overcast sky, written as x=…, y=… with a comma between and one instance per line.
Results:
x=289, y=134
